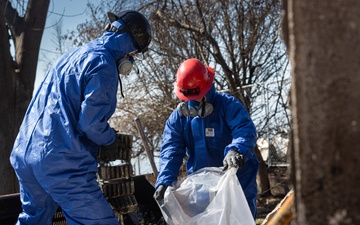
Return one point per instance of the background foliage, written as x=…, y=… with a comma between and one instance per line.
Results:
x=239, y=39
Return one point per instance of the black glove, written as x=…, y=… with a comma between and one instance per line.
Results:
x=110, y=152
x=159, y=193
x=233, y=159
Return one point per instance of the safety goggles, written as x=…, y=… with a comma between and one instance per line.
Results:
x=192, y=91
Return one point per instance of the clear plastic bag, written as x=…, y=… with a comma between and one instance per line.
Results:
x=207, y=197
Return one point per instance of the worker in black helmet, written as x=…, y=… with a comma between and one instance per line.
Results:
x=56, y=149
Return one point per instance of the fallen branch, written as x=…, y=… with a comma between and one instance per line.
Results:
x=283, y=212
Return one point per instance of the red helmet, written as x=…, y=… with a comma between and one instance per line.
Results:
x=193, y=80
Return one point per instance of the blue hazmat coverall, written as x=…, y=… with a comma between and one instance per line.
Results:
x=207, y=140
x=54, y=155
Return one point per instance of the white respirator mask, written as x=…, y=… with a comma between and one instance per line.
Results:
x=125, y=65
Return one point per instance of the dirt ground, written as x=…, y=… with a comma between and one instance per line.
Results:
x=266, y=204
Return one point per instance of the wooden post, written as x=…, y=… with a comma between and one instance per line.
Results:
x=146, y=145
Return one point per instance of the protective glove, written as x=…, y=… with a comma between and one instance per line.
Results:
x=233, y=159
x=110, y=152
x=159, y=193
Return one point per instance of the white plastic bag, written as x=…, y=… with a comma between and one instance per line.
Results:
x=207, y=197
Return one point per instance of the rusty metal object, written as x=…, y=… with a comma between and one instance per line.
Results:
x=59, y=218
x=109, y=173
x=124, y=187
x=124, y=149
x=124, y=204
x=116, y=180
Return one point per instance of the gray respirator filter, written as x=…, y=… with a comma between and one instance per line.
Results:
x=125, y=66
x=189, y=109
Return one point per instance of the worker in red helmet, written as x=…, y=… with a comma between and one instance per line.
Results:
x=213, y=129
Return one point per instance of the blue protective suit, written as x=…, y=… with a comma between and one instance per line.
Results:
x=207, y=140
x=54, y=155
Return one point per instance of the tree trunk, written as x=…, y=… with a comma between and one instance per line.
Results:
x=262, y=176
x=7, y=112
x=324, y=51
x=17, y=76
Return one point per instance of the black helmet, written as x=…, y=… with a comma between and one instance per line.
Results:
x=137, y=25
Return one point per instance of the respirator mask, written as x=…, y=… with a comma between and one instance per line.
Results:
x=125, y=65
x=195, y=108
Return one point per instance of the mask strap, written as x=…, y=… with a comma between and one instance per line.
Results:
x=120, y=86
x=203, y=106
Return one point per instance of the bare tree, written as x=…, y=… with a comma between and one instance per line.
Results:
x=239, y=39
x=21, y=29
x=59, y=41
